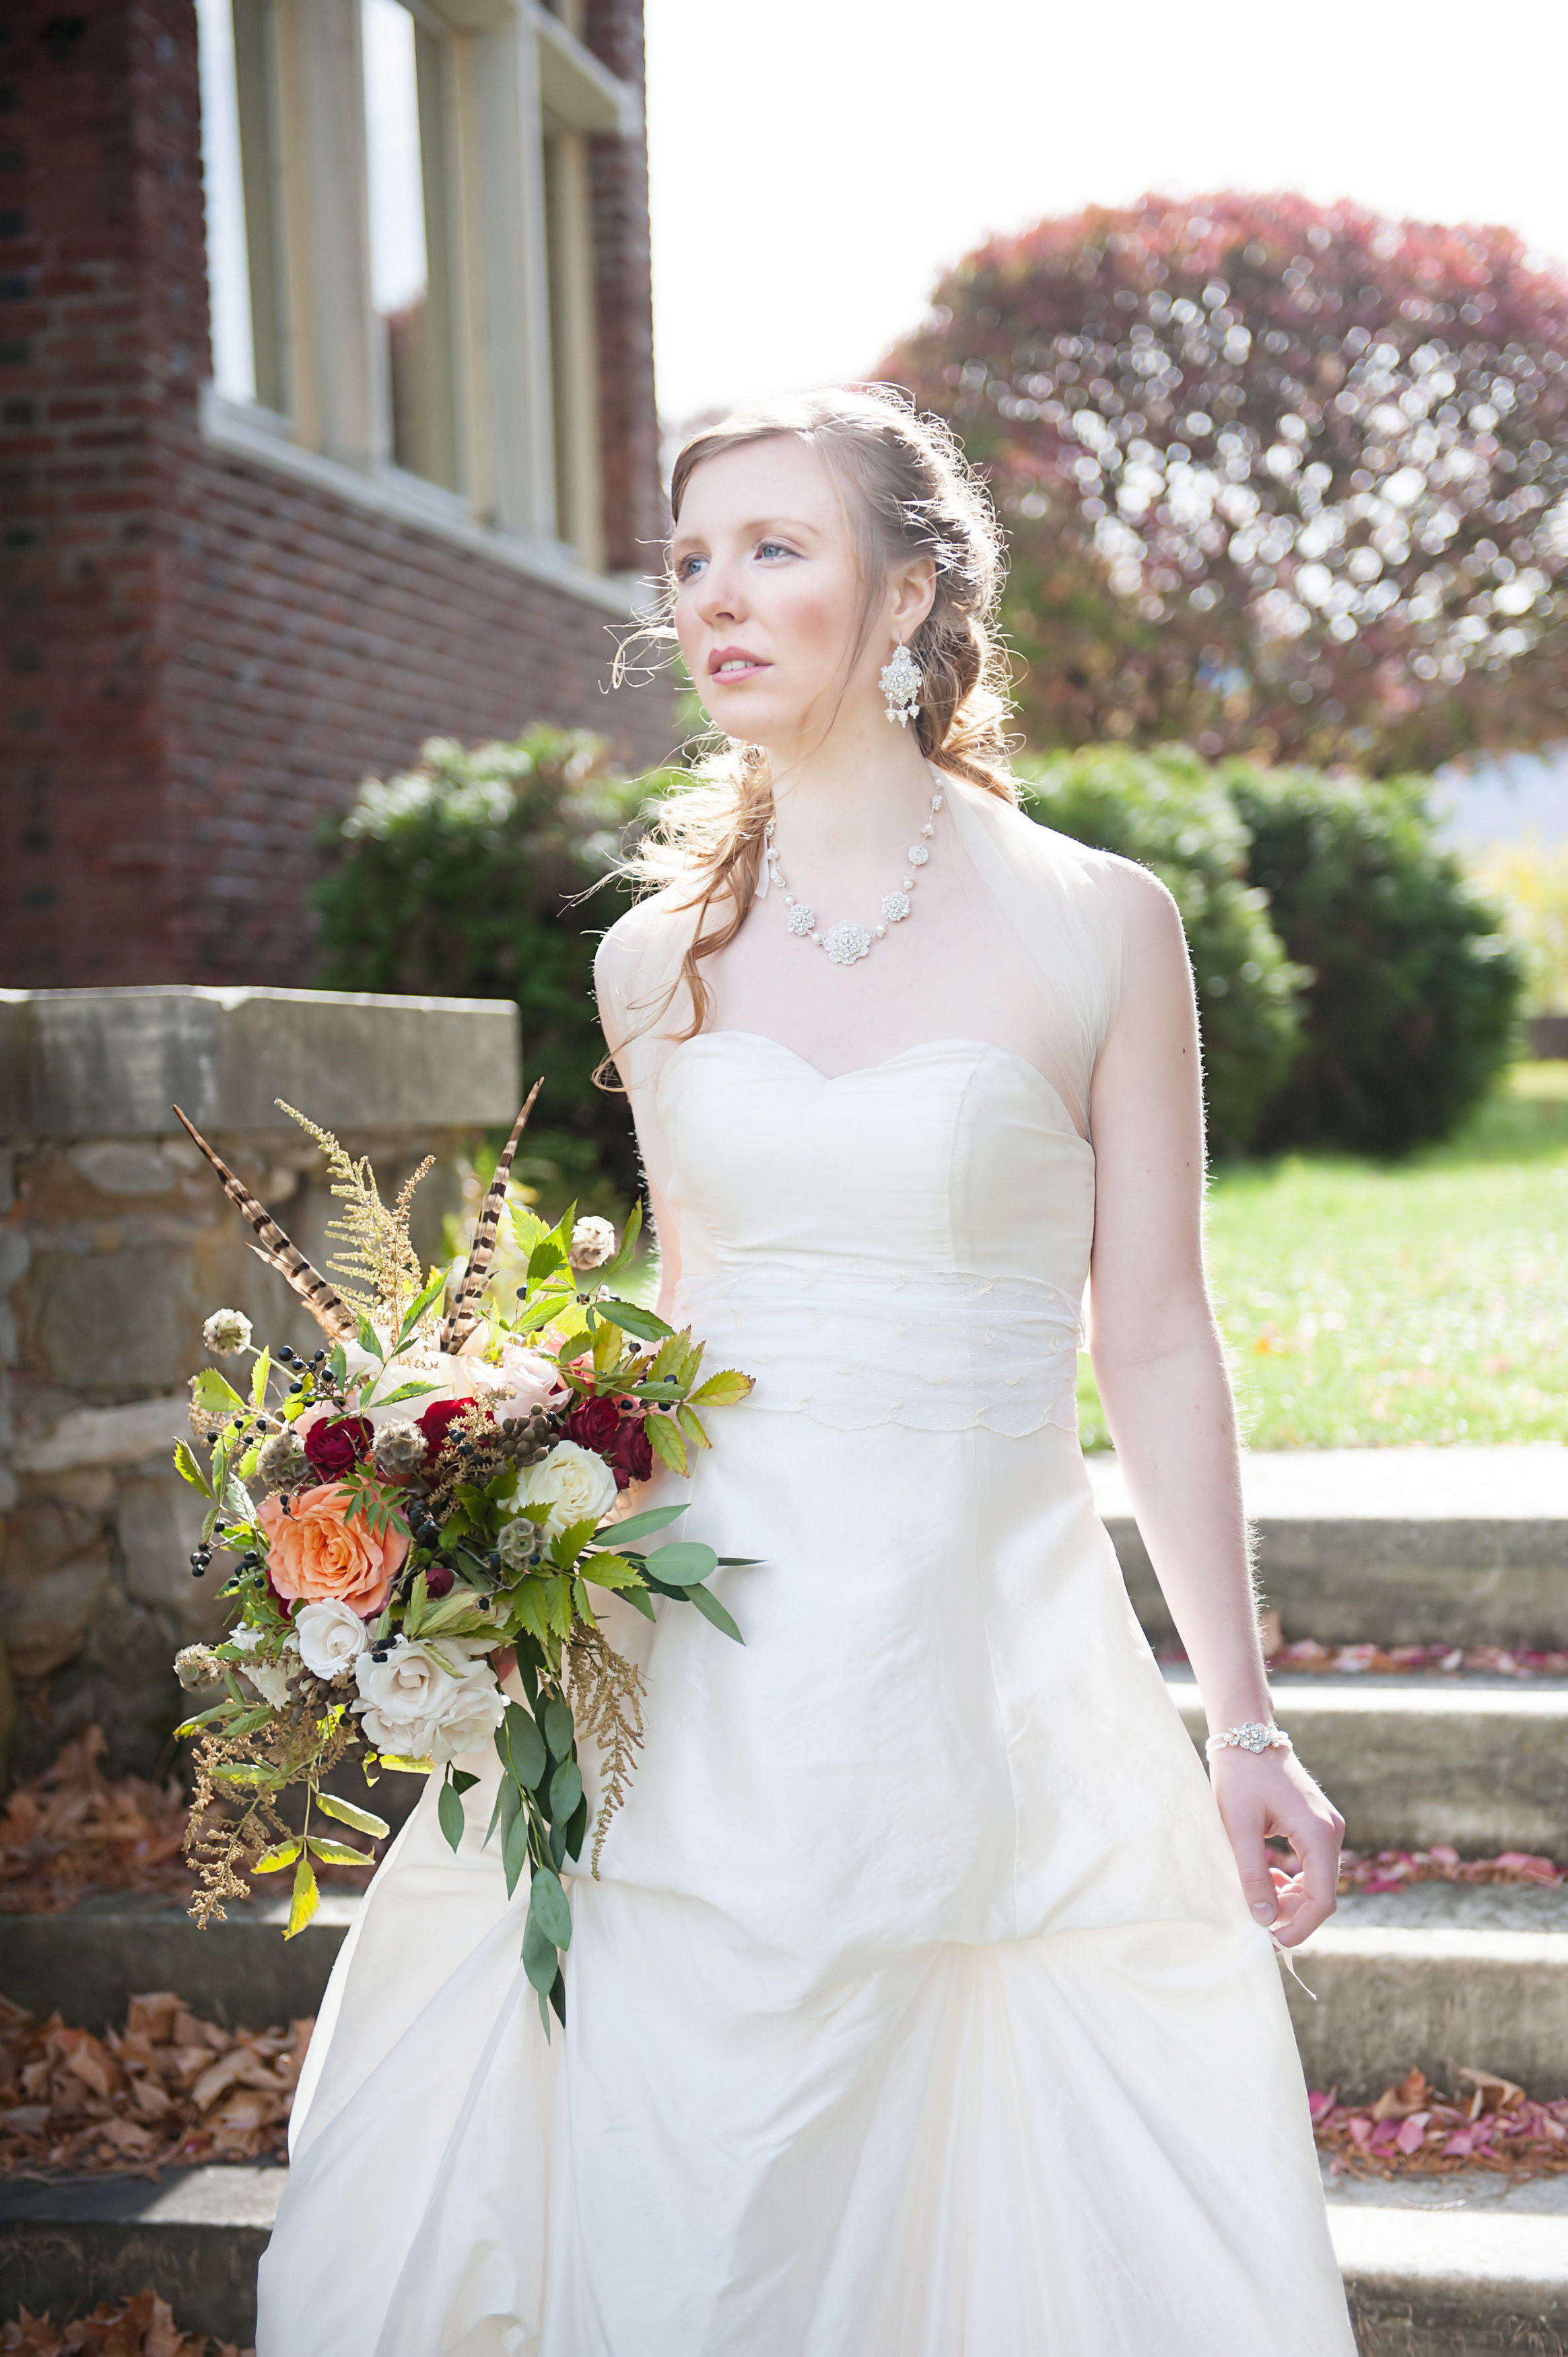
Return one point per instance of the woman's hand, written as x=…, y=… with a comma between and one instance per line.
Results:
x=1264, y=1792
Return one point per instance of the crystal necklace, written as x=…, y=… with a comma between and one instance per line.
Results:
x=847, y=941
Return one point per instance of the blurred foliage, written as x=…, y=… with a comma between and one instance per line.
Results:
x=1529, y=882
x=1355, y=990
x=1169, y=811
x=1411, y=1008
x=463, y=877
x=1278, y=478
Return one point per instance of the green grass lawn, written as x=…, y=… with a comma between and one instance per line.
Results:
x=1369, y=1305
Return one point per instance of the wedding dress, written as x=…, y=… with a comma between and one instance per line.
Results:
x=917, y=2011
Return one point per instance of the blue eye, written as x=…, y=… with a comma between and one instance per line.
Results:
x=688, y=567
x=773, y=548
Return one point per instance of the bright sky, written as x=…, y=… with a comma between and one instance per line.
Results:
x=815, y=164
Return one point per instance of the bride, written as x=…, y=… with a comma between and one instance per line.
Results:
x=927, y=2004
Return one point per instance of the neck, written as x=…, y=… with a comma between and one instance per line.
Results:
x=855, y=791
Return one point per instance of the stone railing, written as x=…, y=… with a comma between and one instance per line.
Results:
x=117, y=1241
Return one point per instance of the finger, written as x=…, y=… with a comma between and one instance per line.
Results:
x=1253, y=1866
x=1318, y=1847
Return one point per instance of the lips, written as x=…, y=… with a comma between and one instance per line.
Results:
x=730, y=664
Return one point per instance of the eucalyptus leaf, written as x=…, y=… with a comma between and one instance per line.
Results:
x=462, y=1781
x=565, y=1791
x=514, y=1849
x=550, y=1909
x=449, y=1810
x=524, y=1755
x=711, y=1610
x=558, y=1727
x=540, y=1960
x=576, y=1826
x=640, y=1527
x=686, y=1561
x=640, y=1601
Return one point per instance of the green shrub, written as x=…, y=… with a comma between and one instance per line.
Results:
x=1412, y=1007
x=462, y=878
x=1170, y=811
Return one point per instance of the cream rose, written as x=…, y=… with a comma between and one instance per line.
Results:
x=331, y=1636
x=415, y=1705
x=531, y=1380
x=573, y=1483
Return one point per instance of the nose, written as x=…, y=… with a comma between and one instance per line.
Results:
x=718, y=598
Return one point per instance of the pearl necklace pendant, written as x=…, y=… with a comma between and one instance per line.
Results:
x=846, y=943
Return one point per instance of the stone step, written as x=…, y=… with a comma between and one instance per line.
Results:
x=1405, y=1546
x=195, y=2236
x=88, y=1961
x=1461, y=2267
x=1443, y=1977
x=1409, y=1762
x=1472, y=2265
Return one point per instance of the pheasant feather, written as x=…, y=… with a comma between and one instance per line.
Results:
x=464, y=1316
x=330, y=1312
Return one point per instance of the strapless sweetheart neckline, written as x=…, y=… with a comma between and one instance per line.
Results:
x=883, y=1064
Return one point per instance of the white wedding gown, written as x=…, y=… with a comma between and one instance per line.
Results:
x=917, y=2012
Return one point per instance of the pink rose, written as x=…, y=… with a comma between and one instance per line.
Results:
x=530, y=1381
x=314, y=1554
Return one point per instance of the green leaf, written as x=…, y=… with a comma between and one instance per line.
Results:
x=250, y=1771
x=202, y=1719
x=558, y=1607
x=690, y=1424
x=565, y=1791
x=190, y=1470
x=259, y=1375
x=550, y=1907
x=462, y=1781
x=545, y=1258
x=572, y=1346
x=568, y=1545
x=539, y=1311
x=369, y=1339
x=613, y=1571
x=527, y=1227
x=514, y=1848
x=418, y=1597
x=666, y=1443
x=687, y=1561
x=422, y=1301
x=559, y=1730
x=576, y=1826
x=449, y=1810
x=641, y=1526
x=529, y=1614
x=271, y=1861
x=641, y=1598
x=520, y=1744
x=691, y=1360
x=724, y=1390
x=406, y=1392
x=540, y=1960
x=336, y=1853
x=622, y=1259
x=645, y=1324
x=215, y=1394
x=711, y=1610
x=338, y=1365
x=360, y=1819
x=407, y=1766
x=306, y=1900
x=669, y=1355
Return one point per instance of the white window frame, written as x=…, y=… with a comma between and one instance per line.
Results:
x=528, y=417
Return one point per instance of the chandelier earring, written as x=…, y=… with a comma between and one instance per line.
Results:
x=901, y=684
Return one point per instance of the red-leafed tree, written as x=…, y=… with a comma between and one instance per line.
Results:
x=1278, y=478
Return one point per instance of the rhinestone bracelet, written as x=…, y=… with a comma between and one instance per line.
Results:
x=1255, y=1736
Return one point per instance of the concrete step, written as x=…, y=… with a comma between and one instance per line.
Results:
x=1472, y=2265
x=1406, y=1546
x=195, y=2236
x=1482, y=1764
x=90, y=1961
x=1442, y=1976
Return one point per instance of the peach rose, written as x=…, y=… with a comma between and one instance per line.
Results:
x=314, y=1554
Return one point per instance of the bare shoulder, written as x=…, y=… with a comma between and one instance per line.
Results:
x=649, y=926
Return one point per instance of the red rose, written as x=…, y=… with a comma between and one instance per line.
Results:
x=593, y=1424
x=631, y=1460
x=334, y=1443
x=436, y=1421
x=438, y=1580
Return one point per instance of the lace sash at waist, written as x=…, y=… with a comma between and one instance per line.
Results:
x=943, y=1353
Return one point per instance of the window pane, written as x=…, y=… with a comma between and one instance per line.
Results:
x=403, y=126
x=228, y=271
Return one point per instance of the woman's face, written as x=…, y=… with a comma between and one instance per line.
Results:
x=769, y=598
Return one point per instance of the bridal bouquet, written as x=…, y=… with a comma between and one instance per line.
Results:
x=432, y=1496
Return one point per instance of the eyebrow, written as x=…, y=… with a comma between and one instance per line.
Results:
x=751, y=530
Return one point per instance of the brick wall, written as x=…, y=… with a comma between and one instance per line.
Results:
x=202, y=655
x=635, y=515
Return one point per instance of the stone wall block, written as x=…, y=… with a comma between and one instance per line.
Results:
x=159, y=1524
x=45, y=1617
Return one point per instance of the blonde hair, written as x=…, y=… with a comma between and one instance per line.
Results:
x=908, y=491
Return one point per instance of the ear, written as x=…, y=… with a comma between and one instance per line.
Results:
x=912, y=592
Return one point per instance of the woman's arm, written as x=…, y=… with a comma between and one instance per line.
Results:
x=614, y=1023
x=1162, y=1377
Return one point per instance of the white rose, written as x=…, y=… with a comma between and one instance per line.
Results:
x=592, y=1244
x=573, y=1483
x=331, y=1636
x=414, y=1704
x=532, y=1381
x=271, y=1682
